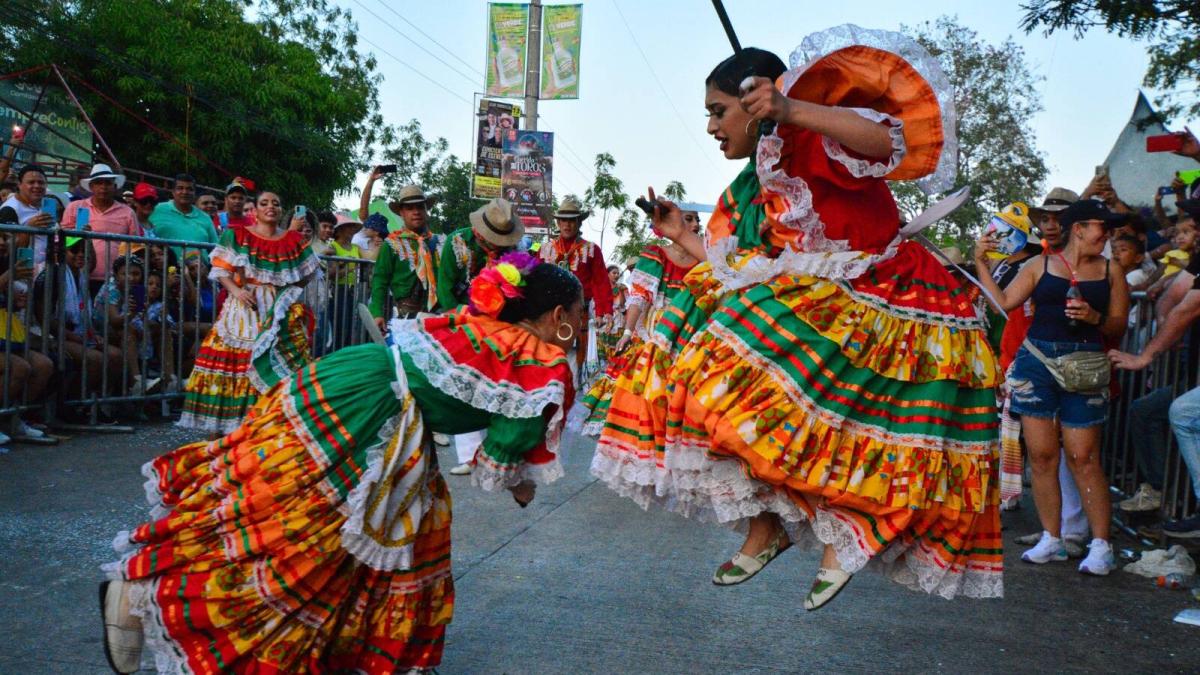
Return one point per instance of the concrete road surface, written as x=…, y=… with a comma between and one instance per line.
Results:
x=585, y=582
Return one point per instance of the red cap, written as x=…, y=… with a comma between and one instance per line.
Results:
x=144, y=191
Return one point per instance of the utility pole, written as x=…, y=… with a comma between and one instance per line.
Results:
x=533, y=65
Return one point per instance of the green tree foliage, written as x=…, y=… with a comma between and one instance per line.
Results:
x=282, y=95
x=429, y=164
x=607, y=193
x=995, y=101
x=634, y=226
x=1172, y=28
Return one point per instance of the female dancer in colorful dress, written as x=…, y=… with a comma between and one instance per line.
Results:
x=316, y=536
x=260, y=336
x=825, y=382
x=655, y=281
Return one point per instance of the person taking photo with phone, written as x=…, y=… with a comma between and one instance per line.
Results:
x=101, y=212
x=32, y=209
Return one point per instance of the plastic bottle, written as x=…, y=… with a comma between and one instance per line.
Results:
x=1073, y=293
x=1173, y=580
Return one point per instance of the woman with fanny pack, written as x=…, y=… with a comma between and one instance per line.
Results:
x=1060, y=376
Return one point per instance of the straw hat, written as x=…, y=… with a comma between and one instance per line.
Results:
x=571, y=208
x=496, y=224
x=343, y=219
x=411, y=194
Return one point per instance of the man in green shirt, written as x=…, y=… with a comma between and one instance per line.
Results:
x=406, y=268
x=180, y=219
x=494, y=231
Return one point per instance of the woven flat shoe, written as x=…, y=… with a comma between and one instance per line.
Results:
x=741, y=567
x=825, y=587
x=122, y=631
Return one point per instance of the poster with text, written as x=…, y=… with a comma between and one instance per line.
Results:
x=560, y=51
x=496, y=123
x=508, y=30
x=59, y=133
x=526, y=178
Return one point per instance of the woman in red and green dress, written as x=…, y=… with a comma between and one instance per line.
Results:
x=261, y=333
x=655, y=281
x=315, y=537
x=823, y=381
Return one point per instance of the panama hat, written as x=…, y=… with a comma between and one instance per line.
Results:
x=102, y=171
x=342, y=219
x=1057, y=200
x=496, y=224
x=571, y=208
x=411, y=194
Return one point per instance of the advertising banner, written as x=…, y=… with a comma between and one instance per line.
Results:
x=560, y=51
x=55, y=112
x=526, y=177
x=508, y=30
x=497, y=123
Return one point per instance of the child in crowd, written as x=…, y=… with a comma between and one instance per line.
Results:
x=1185, y=240
x=161, y=331
x=119, y=303
x=1129, y=253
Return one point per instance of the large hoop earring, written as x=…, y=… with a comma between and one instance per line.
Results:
x=752, y=121
x=570, y=332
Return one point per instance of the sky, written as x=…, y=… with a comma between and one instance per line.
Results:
x=641, y=99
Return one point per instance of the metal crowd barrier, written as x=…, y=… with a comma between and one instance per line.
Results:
x=1170, y=371
x=98, y=352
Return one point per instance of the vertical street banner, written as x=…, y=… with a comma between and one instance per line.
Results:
x=60, y=132
x=526, y=178
x=560, y=51
x=496, y=123
x=508, y=35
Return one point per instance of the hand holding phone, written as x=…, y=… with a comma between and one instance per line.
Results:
x=18, y=134
x=82, y=217
x=50, y=207
x=301, y=210
x=385, y=168
x=1165, y=142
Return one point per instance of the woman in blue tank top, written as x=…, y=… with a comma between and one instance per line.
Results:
x=1063, y=325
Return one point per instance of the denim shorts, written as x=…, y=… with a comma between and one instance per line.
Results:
x=1036, y=393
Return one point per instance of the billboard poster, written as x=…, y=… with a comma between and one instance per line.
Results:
x=560, y=51
x=526, y=177
x=55, y=112
x=508, y=30
x=496, y=123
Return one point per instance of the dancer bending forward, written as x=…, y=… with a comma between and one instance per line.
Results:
x=315, y=537
x=822, y=381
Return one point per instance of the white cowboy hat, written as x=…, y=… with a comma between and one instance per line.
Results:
x=102, y=171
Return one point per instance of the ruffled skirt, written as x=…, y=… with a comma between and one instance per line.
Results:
x=313, y=538
x=861, y=413
x=243, y=356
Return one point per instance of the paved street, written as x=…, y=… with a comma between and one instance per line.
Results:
x=585, y=582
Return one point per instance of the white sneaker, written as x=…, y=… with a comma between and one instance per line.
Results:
x=1047, y=549
x=138, y=388
x=441, y=439
x=25, y=431
x=1100, y=560
x=1145, y=499
x=463, y=469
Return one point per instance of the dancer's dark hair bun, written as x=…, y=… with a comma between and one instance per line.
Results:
x=728, y=74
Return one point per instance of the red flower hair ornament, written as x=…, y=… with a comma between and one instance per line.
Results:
x=499, y=283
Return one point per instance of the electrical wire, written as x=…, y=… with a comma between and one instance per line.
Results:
x=474, y=80
x=682, y=122
x=431, y=38
x=417, y=71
